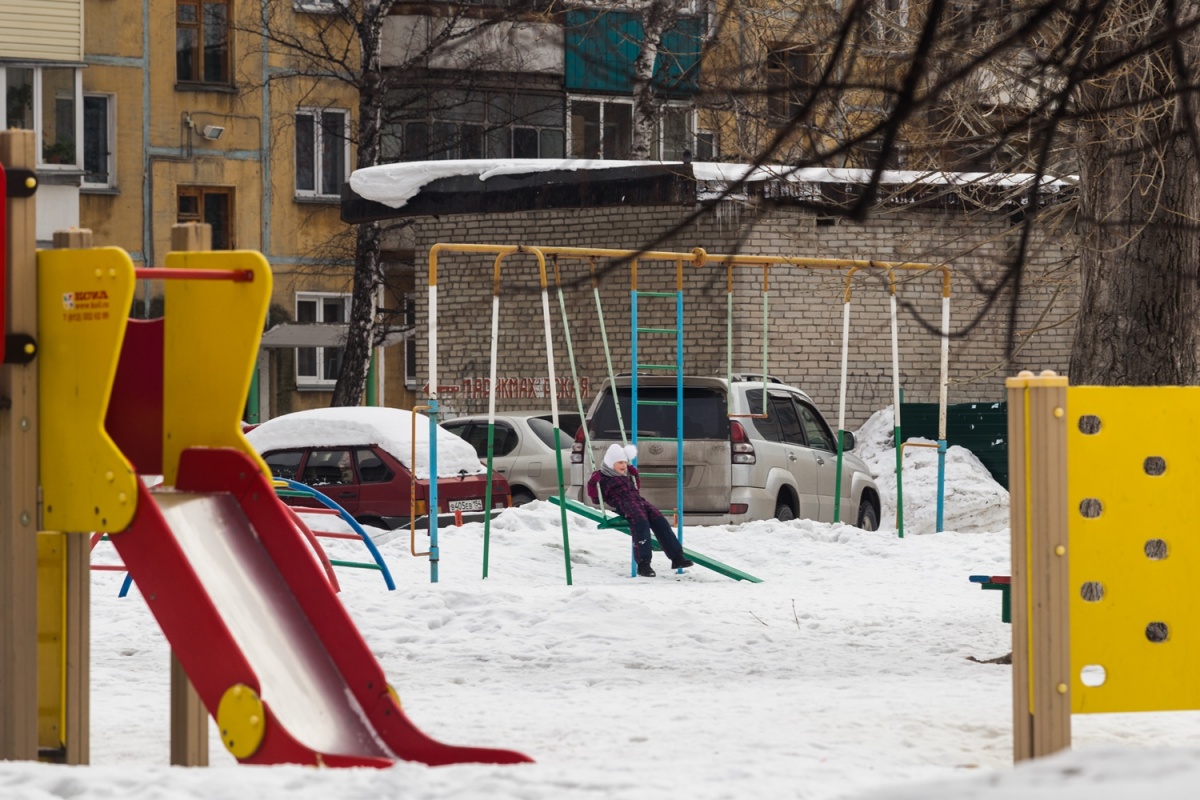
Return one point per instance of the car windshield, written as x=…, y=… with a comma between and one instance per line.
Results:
x=705, y=414
x=544, y=430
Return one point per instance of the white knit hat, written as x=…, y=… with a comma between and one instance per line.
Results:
x=617, y=453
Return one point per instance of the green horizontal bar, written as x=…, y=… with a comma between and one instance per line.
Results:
x=656, y=474
x=658, y=366
x=658, y=294
x=657, y=403
x=658, y=439
x=658, y=330
x=354, y=564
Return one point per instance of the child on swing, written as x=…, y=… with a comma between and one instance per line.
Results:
x=618, y=482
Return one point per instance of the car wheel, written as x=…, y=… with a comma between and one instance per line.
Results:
x=783, y=511
x=868, y=517
x=521, y=497
x=374, y=522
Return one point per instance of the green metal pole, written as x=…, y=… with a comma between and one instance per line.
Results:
x=372, y=379
x=252, y=401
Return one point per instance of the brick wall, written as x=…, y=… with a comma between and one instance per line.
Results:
x=805, y=308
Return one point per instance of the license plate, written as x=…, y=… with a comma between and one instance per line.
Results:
x=466, y=505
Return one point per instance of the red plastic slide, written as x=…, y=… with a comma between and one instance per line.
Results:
x=241, y=600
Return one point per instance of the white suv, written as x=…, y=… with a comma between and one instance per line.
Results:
x=738, y=464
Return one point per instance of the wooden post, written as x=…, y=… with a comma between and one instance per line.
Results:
x=1037, y=414
x=75, y=568
x=19, y=475
x=189, y=718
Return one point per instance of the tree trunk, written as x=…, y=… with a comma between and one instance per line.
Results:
x=1139, y=318
x=360, y=334
x=368, y=270
x=655, y=19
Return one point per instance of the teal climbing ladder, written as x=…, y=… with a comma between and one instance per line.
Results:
x=659, y=299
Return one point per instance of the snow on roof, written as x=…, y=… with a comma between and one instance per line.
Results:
x=390, y=428
x=394, y=185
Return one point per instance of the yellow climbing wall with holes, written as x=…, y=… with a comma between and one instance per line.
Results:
x=1134, y=469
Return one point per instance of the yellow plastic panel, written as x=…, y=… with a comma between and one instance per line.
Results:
x=52, y=639
x=83, y=306
x=242, y=720
x=210, y=346
x=1139, y=548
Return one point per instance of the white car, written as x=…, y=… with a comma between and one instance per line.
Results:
x=522, y=449
x=738, y=464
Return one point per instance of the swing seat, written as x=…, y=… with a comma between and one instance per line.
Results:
x=619, y=523
x=614, y=522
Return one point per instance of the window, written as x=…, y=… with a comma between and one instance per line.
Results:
x=328, y=468
x=318, y=367
x=98, y=166
x=791, y=76
x=284, y=463
x=706, y=146
x=322, y=151
x=455, y=124
x=706, y=415
x=818, y=433
x=317, y=6
x=886, y=20
x=46, y=100
x=410, y=344
x=967, y=19
x=370, y=468
x=202, y=41
x=211, y=205
x=604, y=129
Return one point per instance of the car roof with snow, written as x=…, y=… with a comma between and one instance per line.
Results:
x=389, y=428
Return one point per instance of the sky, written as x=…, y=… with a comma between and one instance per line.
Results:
x=852, y=671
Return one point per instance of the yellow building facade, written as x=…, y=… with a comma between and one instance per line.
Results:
x=191, y=117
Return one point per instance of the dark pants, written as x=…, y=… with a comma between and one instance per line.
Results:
x=662, y=531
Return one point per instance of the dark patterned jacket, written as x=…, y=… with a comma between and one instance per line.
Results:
x=621, y=494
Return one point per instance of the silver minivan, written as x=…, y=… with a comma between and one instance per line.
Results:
x=739, y=463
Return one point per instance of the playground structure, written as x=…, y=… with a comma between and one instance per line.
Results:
x=1104, y=610
x=696, y=258
x=329, y=508
x=250, y=615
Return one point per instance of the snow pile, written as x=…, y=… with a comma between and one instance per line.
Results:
x=973, y=501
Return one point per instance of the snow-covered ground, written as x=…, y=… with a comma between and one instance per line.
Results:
x=846, y=673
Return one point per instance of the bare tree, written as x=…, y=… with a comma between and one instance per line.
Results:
x=1092, y=99
x=657, y=18
x=345, y=45
x=1093, y=94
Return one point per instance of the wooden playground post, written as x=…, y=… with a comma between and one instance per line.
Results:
x=189, y=718
x=1041, y=660
x=19, y=475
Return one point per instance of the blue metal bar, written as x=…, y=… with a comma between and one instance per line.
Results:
x=633, y=402
x=679, y=414
x=329, y=502
x=433, y=490
x=941, y=497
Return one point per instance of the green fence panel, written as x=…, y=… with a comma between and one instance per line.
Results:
x=981, y=428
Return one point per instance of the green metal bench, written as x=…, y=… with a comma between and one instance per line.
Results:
x=1001, y=583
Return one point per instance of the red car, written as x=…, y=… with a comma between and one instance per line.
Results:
x=363, y=458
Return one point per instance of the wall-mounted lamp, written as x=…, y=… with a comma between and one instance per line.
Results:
x=212, y=132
